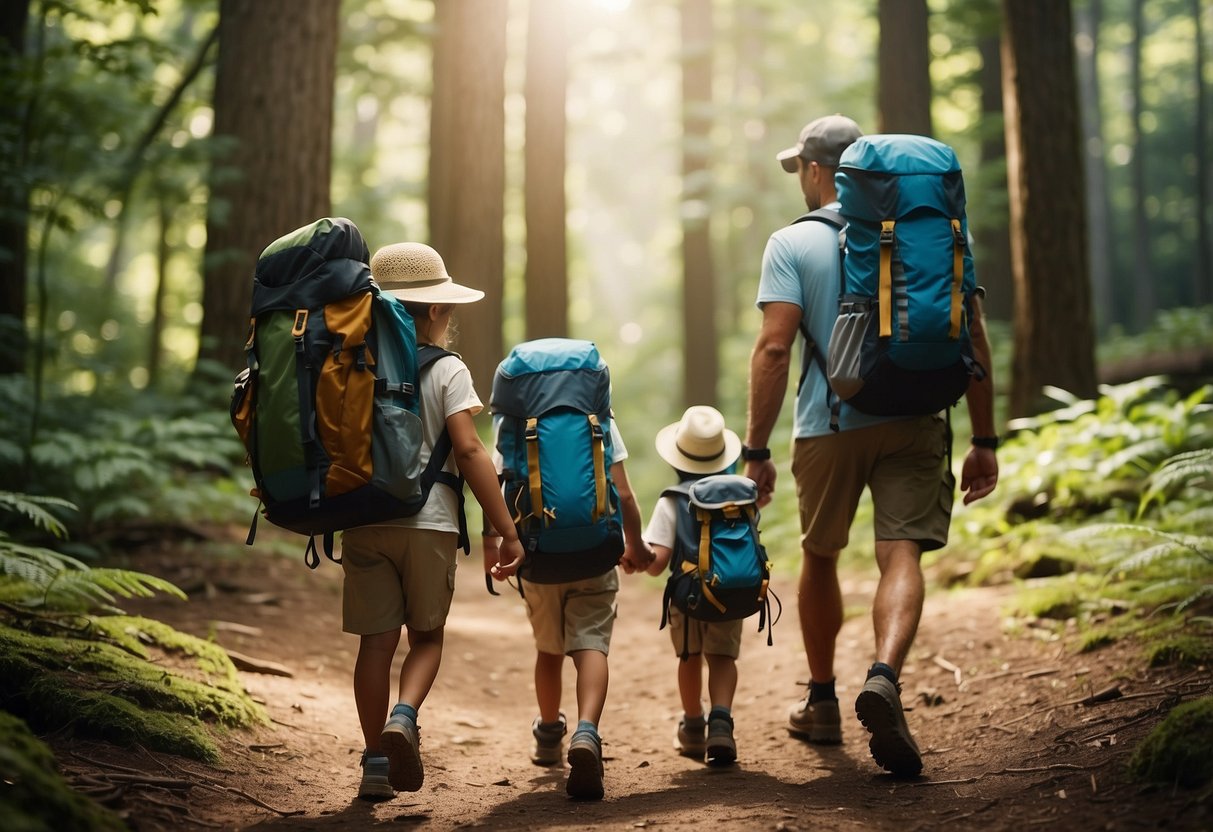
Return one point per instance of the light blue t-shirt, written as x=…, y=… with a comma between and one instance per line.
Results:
x=800, y=266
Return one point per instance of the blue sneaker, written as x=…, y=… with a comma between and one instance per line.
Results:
x=401, y=742
x=585, y=766
x=375, y=785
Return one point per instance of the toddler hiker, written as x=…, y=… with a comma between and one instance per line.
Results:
x=571, y=618
x=697, y=446
x=402, y=572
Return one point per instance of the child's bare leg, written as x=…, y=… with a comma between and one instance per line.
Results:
x=722, y=680
x=592, y=678
x=548, y=670
x=420, y=667
x=372, y=683
x=690, y=685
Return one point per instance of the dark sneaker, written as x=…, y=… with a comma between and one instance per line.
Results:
x=721, y=749
x=375, y=785
x=401, y=742
x=690, y=740
x=879, y=709
x=548, y=739
x=818, y=722
x=585, y=766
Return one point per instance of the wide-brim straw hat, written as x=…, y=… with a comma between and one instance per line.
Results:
x=414, y=272
x=699, y=443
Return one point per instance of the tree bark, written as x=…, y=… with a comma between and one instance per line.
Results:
x=1098, y=214
x=904, y=68
x=466, y=189
x=993, y=241
x=1144, y=301
x=1202, y=289
x=14, y=223
x=698, y=278
x=274, y=104
x=547, y=290
x=1054, y=337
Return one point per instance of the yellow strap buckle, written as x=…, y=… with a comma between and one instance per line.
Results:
x=300, y=323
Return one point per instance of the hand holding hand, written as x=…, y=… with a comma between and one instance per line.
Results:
x=509, y=557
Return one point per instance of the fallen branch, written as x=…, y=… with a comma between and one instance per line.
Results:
x=256, y=801
x=951, y=668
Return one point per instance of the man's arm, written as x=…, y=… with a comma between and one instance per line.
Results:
x=769, y=364
x=979, y=474
x=636, y=554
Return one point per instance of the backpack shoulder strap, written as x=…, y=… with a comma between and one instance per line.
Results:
x=427, y=354
x=827, y=215
x=812, y=352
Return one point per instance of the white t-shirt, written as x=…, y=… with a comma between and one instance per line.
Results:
x=663, y=525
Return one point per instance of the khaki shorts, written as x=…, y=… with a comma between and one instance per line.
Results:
x=575, y=616
x=396, y=576
x=904, y=465
x=716, y=638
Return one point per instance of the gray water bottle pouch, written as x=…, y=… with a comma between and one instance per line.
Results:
x=844, y=368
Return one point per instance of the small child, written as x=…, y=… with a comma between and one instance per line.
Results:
x=576, y=619
x=697, y=446
x=402, y=573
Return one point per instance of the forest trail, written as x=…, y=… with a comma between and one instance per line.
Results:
x=1005, y=746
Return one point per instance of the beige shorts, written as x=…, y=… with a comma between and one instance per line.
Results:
x=396, y=576
x=903, y=463
x=575, y=616
x=716, y=638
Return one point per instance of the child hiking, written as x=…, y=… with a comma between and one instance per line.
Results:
x=561, y=460
x=401, y=573
x=697, y=446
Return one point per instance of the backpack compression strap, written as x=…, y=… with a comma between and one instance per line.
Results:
x=600, y=491
x=958, y=266
x=535, y=476
x=732, y=512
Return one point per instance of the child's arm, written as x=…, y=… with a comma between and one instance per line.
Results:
x=661, y=559
x=477, y=469
x=636, y=553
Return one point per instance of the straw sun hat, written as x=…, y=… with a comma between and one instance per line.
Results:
x=414, y=272
x=699, y=443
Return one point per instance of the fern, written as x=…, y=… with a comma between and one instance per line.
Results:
x=35, y=508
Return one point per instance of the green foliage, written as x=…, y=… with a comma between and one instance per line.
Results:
x=1177, y=751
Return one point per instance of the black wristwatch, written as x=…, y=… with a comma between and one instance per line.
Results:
x=990, y=442
x=755, y=454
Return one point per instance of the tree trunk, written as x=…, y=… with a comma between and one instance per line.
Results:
x=1202, y=289
x=163, y=253
x=904, y=68
x=467, y=168
x=993, y=241
x=1099, y=223
x=274, y=103
x=14, y=221
x=698, y=280
x=1143, y=279
x=1054, y=337
x=547, y=282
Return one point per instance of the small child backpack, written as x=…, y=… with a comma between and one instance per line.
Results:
x=900, y=345
x=328, y=407
x=719, y=568
x=551, y=405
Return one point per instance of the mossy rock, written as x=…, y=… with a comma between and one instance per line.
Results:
x=1177, y=750
x=101, y=690
x=33, y=796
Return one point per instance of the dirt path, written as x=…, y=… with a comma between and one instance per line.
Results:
x=1002, y=749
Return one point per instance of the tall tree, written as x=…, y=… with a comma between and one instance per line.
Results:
x=1054, y=335
x=274, y=105
x=14, y=191
x=547, y=290
x=993, y=241
x=698, y=277
x=1098, y=210
x=904, y=68
x=466, y=188
x=1203, y=277
x=1144, y=301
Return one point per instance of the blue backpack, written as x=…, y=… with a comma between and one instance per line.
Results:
x=900, y=345
x=719, y=568
x=551, y=405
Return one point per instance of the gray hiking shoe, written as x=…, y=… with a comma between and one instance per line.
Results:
x=879, y=709
x=819, y=722
x=548, y=739
x=721, y=749
x=375, y=785
x=401, y=742
x=585, y=766
x=690, y=741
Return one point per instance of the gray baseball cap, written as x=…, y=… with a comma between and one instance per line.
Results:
x=822, y=141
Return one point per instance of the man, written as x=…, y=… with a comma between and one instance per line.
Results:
x=902, y=460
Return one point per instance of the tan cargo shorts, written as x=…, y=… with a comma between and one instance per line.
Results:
x=717, y=638
x=579, y=615
x=396, y=576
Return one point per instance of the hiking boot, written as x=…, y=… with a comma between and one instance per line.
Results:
x=689, y=741
x=401, y=742
x=585, y=766
x=721, y=749
x=548, y=738
x=879, y=709
x=817, y=722
x=375, y=785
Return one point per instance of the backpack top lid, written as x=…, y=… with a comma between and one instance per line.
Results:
x=900, y=153
x=889, y=176
x=311, y=266
x=721, y=490
x=541, y=375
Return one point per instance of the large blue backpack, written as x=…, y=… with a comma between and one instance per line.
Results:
x=718, y=569
x=900, y=345
x=551, y=404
